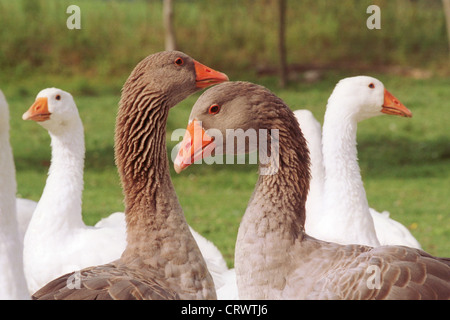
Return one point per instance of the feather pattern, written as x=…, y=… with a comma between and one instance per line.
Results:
x=274, y=257
x=337, y=204
x=161, y=259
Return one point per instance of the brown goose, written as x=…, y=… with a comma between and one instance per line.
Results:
x=275, y=258
x=161, y=259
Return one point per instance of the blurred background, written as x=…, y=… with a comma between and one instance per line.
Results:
x=241, y=36
x=297, y=48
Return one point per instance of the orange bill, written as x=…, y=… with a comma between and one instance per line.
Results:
x=38, y=111
x=392, y=106
x=206, y=76
x=196, y=145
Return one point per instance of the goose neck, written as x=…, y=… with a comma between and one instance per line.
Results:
x=345, y=205
x=338, y=134
x=60, y=203
x=151, y=204
x=339, y=150
x=274, y=220
x=280, y=193
x=158, y=236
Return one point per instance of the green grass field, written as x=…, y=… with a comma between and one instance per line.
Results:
x=405, y=163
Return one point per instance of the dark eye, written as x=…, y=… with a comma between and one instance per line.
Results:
x=214, y=109
x=371, y=86
x=179, y=61
x=58, y=97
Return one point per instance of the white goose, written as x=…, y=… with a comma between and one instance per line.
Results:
x=12, y=279
x=57, y=224
x=24, y=207
x=343, y=214
x=57, y=240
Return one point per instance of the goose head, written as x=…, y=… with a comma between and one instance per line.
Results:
x=53, y=109
x=227, y=119
x=363, y=97
x=186, y=76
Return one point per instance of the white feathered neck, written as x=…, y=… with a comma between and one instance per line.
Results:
x=343, y=186
x=60, y=203
x=54, y=236
x=12, y=278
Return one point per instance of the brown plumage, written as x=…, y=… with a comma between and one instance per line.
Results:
x=161, y=260
x=274, y=257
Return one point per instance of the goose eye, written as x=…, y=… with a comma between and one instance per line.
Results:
x=58, y=97
x=179, y=61
x=371, y=86
x=214, y=109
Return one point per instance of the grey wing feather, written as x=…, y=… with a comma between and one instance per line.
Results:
x=106, y=282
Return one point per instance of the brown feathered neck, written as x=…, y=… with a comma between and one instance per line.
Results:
x=158, y=236
x=273, y=223
x=281, y=191
x=143, y=165
x=140, y=144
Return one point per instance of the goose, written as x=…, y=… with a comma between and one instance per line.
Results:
x=12, y=278
x=274, y=256
x=24, y=207
x=331, y=213
x=161, y=259
x=53, y=110
x=57, y=240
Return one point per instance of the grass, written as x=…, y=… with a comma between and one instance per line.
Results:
x=405, y=163
x=115, y=34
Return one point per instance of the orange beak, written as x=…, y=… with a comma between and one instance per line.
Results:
x=196, y=145
x=38, y=111
x=394, y=107
x=206, y=77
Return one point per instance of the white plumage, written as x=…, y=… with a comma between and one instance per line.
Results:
x=12, y=278
x=337, y=207
x=57, y=241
